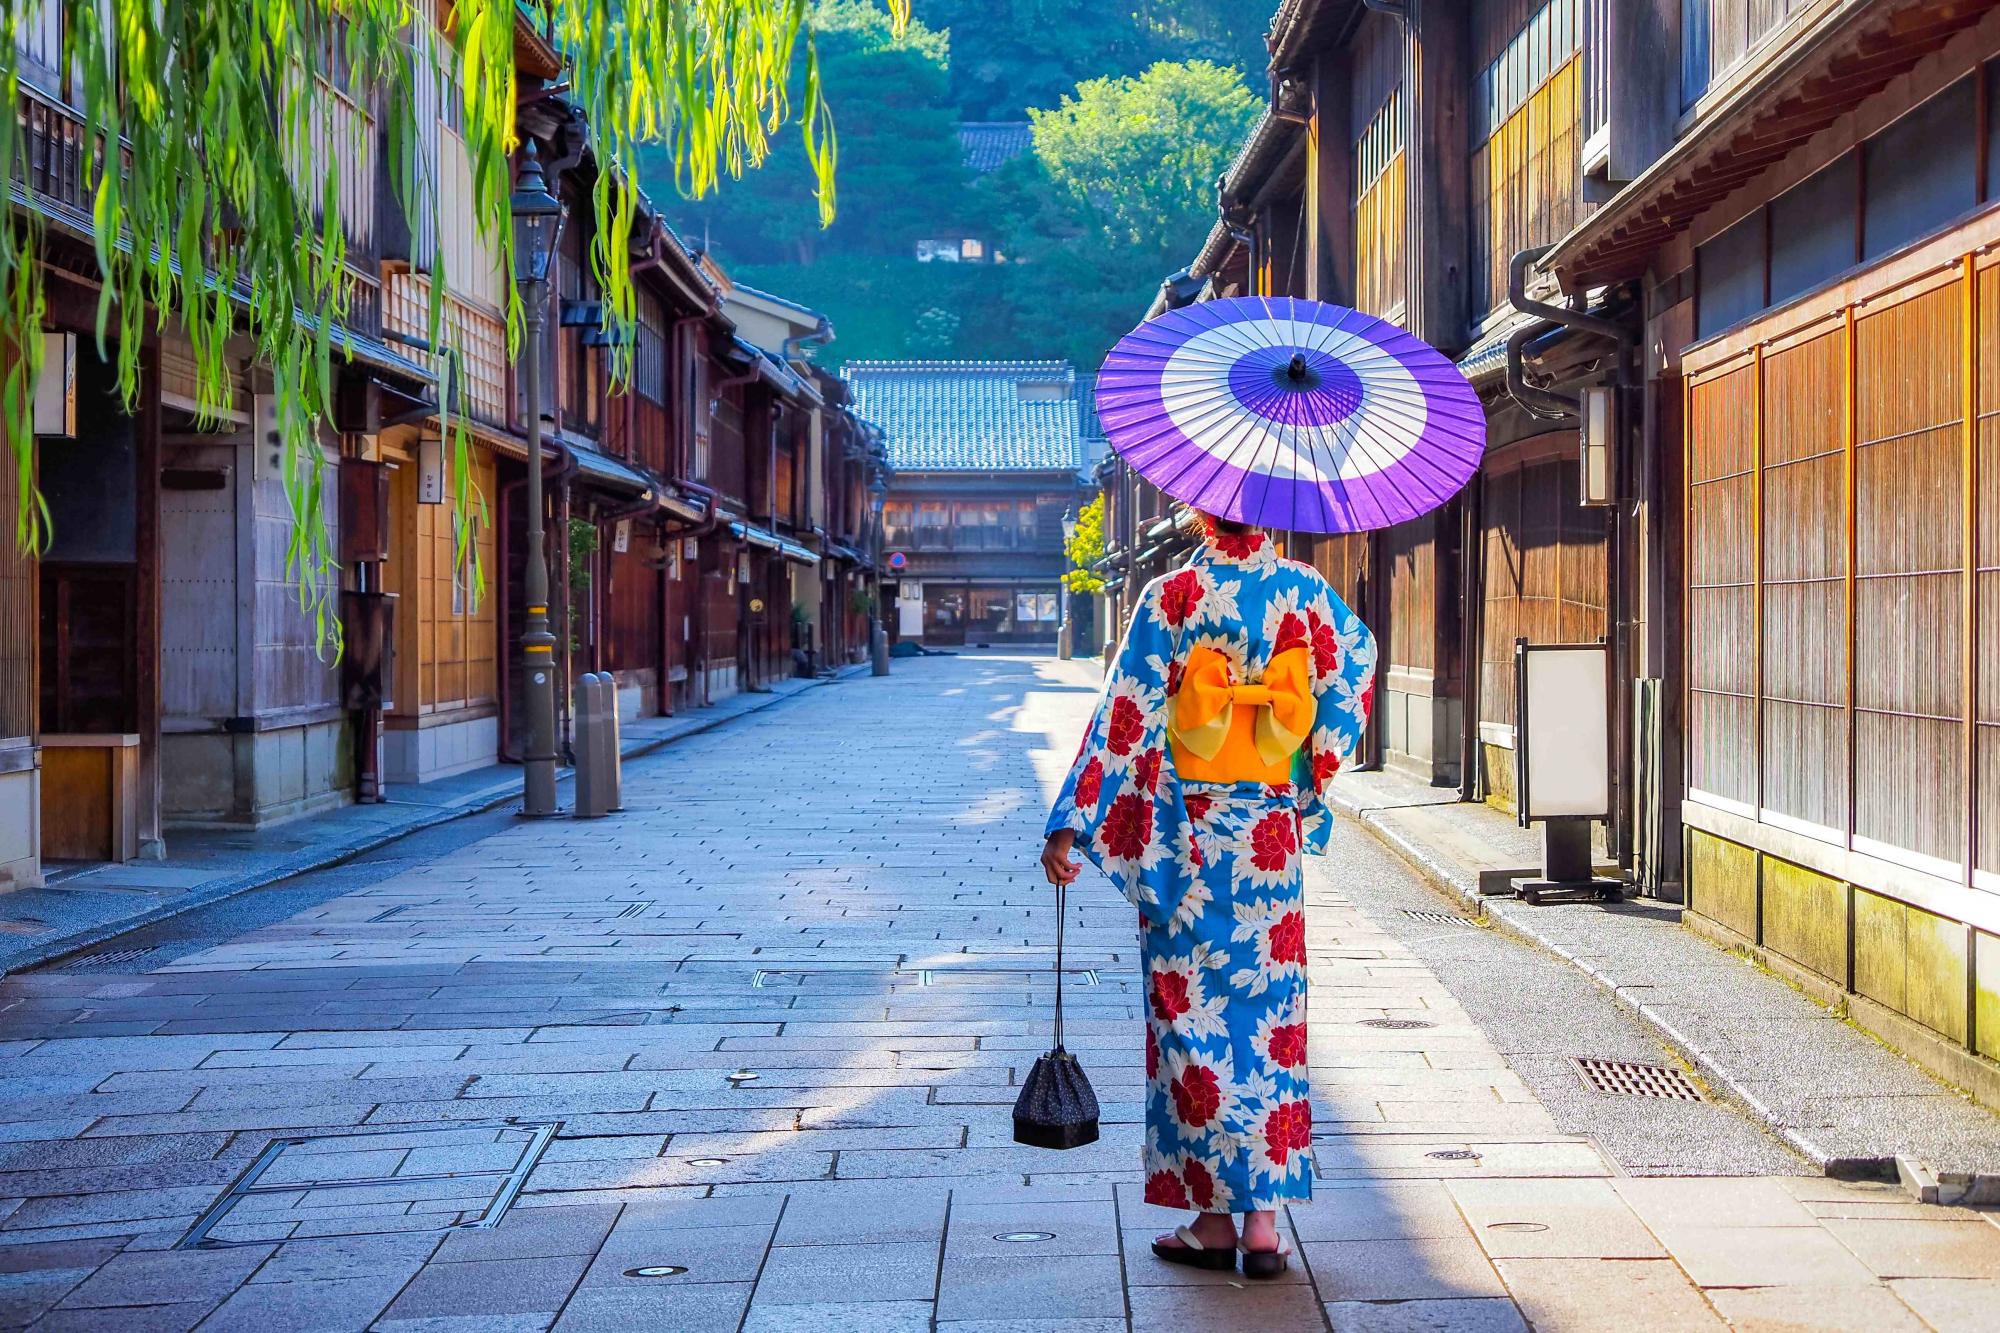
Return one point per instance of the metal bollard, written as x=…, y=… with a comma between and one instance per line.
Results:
x=610, y=763
x=589, y=738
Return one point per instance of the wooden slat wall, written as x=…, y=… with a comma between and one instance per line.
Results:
x=1859, y=460
x=1986, y=492
x=1544, y=567
x=1527, y=136
x=1413, y=594
x=1908, y=567
x=1721, y=588
x=447, y=635
x=1718, y=34
x=1805, y=581
x=1377, y=107
x=19, y=579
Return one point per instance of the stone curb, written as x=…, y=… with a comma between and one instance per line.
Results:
x=1464, y=884
x=78, y=941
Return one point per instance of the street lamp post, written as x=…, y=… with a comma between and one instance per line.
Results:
x=1065, y=631
x=537, y=222
x=878, y=637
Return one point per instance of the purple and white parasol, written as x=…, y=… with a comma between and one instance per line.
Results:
x=1291, y=414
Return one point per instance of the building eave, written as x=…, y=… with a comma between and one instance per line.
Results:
x=1849, y=54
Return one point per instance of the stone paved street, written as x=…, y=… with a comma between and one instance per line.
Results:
x=742, y=1056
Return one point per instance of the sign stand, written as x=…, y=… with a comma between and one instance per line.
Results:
x=1562, y=764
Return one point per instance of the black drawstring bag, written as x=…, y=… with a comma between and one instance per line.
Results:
x=1056, y=1108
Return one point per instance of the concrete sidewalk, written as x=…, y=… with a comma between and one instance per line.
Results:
x=741, y=1059
x=1829, y=1089
x=83, y=906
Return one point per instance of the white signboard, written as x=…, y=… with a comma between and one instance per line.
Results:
x=1564, y=742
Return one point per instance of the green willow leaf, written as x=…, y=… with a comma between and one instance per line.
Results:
x=214, y=187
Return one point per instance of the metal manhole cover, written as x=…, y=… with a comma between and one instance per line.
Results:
x=1453, y=1155
x=1020, y=1237
x=656, y=1270
x=1525, y=1227
x=1633, y=1078
x=1437, y=918
x=443, y=1177
x=1396, y=1024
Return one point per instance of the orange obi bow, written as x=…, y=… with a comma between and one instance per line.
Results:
x=1221, y=744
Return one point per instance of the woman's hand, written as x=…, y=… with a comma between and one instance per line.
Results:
x=1055, y=857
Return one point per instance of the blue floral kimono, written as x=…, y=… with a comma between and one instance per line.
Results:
x=1214, y=868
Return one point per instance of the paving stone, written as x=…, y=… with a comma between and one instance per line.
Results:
x=333, y=1305
x=1822, y=1309
x=710, y=1254
x=176, y=1317
x=1910, y=1247
x=841, y=1317
x=1732, y=1256
x=1410, y=1268
x=1614, y=1295
x=804, y=1274
x=1951, y=1305
x=1554, y=1219
x=1059, y=1287
x=1378, y=1211
x=1474, y=1315
x=838, y=1212
x=168, y=1277
x=541, y=1233
x=338, y=1257
x=704, y=1308
x=1080, y=1228
x=495, y=1287
x=1266, y=1307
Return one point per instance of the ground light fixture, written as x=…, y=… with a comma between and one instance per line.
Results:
x=537, y=225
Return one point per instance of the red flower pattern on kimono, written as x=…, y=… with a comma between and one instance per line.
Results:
x=1090, y=784
x=1180, y=597
x=1288, y=1129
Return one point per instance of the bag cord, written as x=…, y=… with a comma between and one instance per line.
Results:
x=1062, y=906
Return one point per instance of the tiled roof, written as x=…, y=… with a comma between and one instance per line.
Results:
x=977, y=416
x=993, y=143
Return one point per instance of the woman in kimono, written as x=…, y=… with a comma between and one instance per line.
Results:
x=1243, y=684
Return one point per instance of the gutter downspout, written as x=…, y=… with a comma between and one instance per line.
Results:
x=1536, y=400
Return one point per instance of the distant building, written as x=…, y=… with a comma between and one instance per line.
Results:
x=990, y=144
x=986, y=457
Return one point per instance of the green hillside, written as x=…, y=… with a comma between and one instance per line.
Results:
x=1135, y=110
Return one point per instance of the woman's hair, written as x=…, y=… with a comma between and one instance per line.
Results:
x=1226, y=526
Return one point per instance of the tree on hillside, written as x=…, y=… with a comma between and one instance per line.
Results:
x=1119, y=191
x=902, y=173
x=200, y=225
x=1137, y=158
x=1010, y=55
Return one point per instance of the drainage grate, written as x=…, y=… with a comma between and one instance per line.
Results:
x=1078, y=976
x=107, y=958
x=1436, y=918
x=1396, y=1024
x=798, y=976
x=415, y=1178
x=1630, y=1078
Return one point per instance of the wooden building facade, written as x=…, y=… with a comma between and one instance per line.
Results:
x=155, y=666
x=1771, y=237
x=1820, y=295
x=986, y=459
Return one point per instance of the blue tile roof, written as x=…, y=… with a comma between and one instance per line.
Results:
x=994, y=143
x=977, y=416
